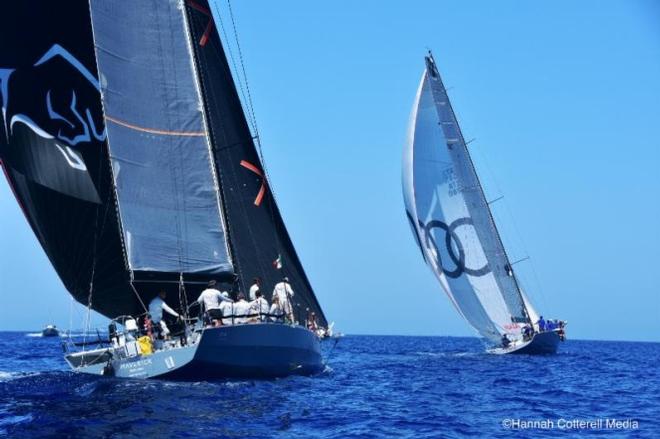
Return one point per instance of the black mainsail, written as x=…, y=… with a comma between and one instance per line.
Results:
x=146, y=173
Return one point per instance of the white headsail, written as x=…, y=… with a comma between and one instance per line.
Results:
x=450, y=218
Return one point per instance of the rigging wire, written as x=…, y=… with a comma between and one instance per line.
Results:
x=250, y=113
x=132, y=278
x=243, y=102
x=233, y=62
x=249, y=106
x=247, y=85
x=516, y=229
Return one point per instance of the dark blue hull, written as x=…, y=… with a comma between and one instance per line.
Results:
x=50, y=332
x=260, y=350
x=542, y=343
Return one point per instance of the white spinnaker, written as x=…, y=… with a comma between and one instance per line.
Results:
x=437, y=208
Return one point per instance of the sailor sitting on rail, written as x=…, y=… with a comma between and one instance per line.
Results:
x=259, y=306
x=156, y=308
x=284, y=293
x=210, y=299
x=241, y=309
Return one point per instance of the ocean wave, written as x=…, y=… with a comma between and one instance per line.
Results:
x=9, y=376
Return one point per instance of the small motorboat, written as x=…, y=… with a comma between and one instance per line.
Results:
x=50, y=331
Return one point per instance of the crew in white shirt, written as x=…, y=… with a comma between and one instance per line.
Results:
x=256, y=286
x=210, y=299
x=259, y=306
x=241, y=309
x=227, y=308
x=284, y=294
x=276, y=312
x=156, y=308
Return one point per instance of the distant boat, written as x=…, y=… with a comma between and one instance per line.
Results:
x=454, y=228
x=126, y=145
x=50, y=331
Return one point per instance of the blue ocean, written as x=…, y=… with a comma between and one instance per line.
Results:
x=373, y=386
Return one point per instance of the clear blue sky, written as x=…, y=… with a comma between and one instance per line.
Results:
x=563, y=98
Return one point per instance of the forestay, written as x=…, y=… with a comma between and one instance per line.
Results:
x=450, y=217
x=169, y=204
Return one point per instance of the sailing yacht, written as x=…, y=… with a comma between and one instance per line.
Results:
x=454, y=228
x=124, y=140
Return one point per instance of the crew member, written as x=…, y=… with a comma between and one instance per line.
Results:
x=256, y=286
x=259, y=306
x=284, y=293
x=541, y=324
x=227, y=308
x=156, y=308
x=276, y=312
x=210, y=300
x=241, y=309
x=561, y=332
x=311, y=321
x=505, y=341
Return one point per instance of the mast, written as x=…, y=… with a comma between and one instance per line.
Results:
x=434, y=71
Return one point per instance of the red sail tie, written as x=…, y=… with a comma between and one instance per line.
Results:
x=262, y=189
x=209, y=27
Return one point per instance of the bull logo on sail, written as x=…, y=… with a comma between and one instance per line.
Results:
x=453, y=245
x=50, y=108
x=67, y=97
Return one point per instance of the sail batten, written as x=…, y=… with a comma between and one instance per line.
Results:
x=445, y=201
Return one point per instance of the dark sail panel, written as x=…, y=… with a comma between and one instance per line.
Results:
x=257, y=233
x=161, y=157
x=53, y=151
